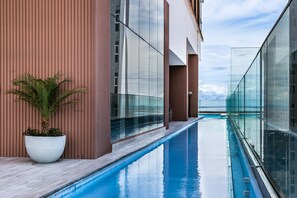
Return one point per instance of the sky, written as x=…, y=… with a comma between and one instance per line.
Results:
x=226, y=24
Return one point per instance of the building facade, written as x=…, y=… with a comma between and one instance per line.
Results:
x=137, y=59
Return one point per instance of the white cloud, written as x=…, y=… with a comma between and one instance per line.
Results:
x=213, y=89
x=222, y=11
x=239, y=22
x=212, y=92
x=232, y=23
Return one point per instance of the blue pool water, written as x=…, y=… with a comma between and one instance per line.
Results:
x=241, y=169
x=192, y=162
x=170, y=170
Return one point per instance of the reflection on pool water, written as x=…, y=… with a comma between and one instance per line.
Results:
x=193, y=163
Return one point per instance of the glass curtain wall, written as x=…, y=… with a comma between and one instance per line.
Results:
x=137, y=68
x=263, y=105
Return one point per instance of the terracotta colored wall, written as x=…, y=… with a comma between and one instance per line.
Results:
x=43, y=37
x=193, y=84
x=166, y=65
x=102, y=75
x=178, y=92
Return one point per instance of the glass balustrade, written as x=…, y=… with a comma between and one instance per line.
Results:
x=262, y=107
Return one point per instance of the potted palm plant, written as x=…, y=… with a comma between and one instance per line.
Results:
x=46, y=96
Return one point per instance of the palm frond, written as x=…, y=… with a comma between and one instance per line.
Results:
x=21, y=95
x=44, y=95
x=65, y=95
x=26, y=82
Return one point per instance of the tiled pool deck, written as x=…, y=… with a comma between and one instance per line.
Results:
x=21, y=177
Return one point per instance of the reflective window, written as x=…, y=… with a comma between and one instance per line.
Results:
x=160, y=93
x=154, y=23
x=144, y=83
x=132, y=65
x=133, y=15
x=136, y=81
x=160, y=22
x=153, y=87
x=144, y=19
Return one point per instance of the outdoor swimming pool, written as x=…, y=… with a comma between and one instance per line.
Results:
x=170, y=170
x=190, y=163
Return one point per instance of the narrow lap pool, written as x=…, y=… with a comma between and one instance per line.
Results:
x=191, y=163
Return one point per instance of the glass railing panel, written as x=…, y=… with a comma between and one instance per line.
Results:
x=241, y=58
x=241, y=107
x=144, y=110
x=252, y=105
x=266, y=100
x=134, y=114
x=277, y=99
x=236, y=107
x=231, y=106
x=277, y=73
x=262, y=94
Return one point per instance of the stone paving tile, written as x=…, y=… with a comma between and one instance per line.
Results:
x=21, y=177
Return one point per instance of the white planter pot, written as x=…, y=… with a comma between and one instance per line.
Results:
x=44, y=149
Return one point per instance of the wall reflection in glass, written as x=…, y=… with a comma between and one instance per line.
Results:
x=136, y=81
